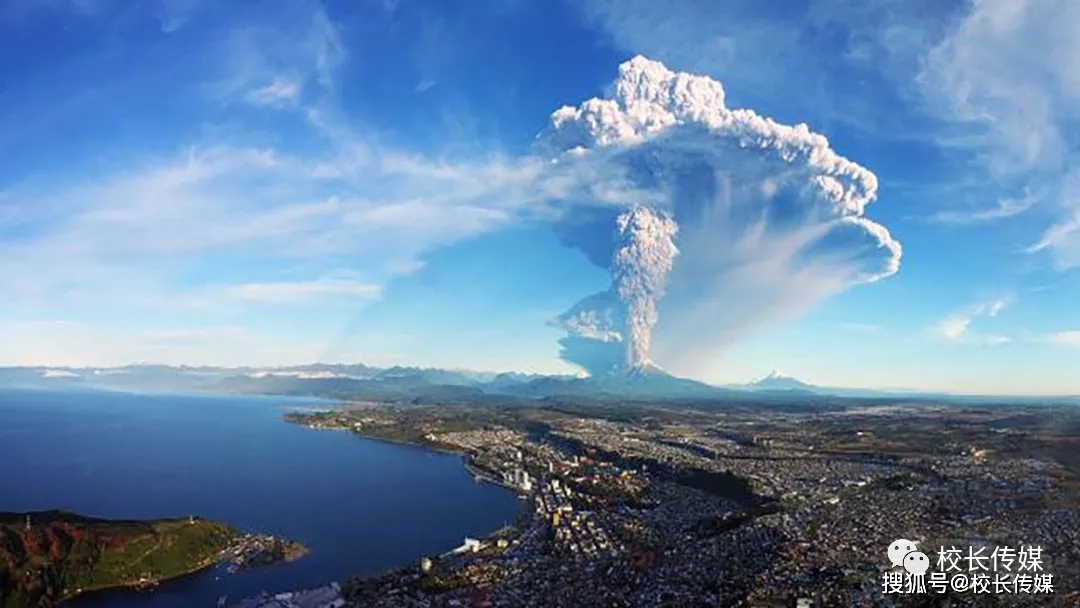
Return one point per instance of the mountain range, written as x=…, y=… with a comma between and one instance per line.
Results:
x=356, y=380
x=422, y=385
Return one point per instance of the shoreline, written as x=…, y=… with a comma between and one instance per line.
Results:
x=463, y=454
x=135, y=585
x=363, y=435
x=220, y=560
x=485, y=477
x=406, y=442
x=465, y=462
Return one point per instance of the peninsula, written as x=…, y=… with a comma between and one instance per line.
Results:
x=48, y=557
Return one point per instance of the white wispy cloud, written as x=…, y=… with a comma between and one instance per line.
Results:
x=1005, y=208
x=129, y=234
x=300, y=291
x=175, y=14
x=774, y=48
x=1064, y=238
x=49, y=343
x=406, y=267
x=281, y=92
x=110, y=235
x=1065, y=338
x=275, y=61
x=957, y=326
x=146, y=234
x=1006, y=72
x=202, y=334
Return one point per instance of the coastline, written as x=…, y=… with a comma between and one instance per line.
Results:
x=297, y=552
x=230, y=556
x=200, y=567
x=465, y=462
x=466, y=457
x=415, y=444
x=361, y=434
x=487, y=478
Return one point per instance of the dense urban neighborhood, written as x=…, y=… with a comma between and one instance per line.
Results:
x=656, y=506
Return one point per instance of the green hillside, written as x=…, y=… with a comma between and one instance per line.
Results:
x=62, y=554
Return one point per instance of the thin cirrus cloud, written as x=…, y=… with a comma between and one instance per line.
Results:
x=1065, y=338
x=219, y=200
x=1005, y=208
x=175, y=14
x=78, y=344
x=271, y=61
x=133, y=229
x=957, y=326
x=288, y=292
x=280, y=92
x=320, y=292
x=1005, y=72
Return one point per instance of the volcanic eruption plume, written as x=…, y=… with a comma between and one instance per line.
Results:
x=640, y=268
x=767, y=219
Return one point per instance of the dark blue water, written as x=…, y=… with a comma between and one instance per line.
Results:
x=360, y=506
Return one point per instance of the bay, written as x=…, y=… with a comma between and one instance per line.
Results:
x=361, y=506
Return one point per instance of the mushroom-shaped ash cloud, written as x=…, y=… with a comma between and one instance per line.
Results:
x=714, y=222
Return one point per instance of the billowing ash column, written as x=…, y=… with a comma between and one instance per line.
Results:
x=771, y=220
x=643, y=258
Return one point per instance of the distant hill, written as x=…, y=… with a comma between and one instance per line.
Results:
x=777, y=381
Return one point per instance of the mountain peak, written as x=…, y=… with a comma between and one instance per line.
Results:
x=776, y=380
x=776, y=374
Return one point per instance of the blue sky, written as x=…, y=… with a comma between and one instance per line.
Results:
x=279, y=182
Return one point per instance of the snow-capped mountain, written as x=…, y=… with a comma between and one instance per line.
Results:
x=777, y=381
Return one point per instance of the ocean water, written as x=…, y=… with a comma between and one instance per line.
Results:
x=361, y=506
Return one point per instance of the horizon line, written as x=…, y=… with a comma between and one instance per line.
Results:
x=727, y=385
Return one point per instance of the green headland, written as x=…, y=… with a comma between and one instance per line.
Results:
x=50, y=556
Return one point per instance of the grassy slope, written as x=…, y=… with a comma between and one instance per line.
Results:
x=64, y=552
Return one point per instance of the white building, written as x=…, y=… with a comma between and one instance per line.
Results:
x=522, y=479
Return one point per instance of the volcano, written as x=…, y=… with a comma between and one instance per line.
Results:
x=646, y=380
x=777, y=381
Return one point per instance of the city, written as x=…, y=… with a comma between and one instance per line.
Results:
x=663, y=506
